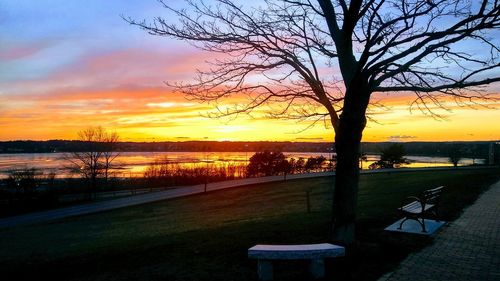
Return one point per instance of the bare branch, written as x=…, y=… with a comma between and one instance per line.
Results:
x=378, y=45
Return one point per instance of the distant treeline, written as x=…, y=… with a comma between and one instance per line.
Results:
x=479, y=149
x=181, y=146
x=472, y=149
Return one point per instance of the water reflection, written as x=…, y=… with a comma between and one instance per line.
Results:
x=134, y=163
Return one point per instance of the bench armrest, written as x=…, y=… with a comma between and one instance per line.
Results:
x=410, y=199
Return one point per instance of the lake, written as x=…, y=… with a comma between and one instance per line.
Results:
x=134, y=163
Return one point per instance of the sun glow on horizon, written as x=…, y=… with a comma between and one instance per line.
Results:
x=157, y=115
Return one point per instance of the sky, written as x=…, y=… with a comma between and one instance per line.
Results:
x=67, y=65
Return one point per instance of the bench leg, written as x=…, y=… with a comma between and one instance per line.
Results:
x=265, y=270
x=401, y=224
x=423, y=225
x=421, y=222
x=317, y=268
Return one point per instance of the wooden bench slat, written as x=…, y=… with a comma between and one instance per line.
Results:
x=422, y=207
x=412, y=205
x=432, y=194
x=417, y=208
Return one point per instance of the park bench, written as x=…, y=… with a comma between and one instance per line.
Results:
x=421, y=208
x=317, y=253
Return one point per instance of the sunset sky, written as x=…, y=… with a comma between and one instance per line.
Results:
x=66, y=65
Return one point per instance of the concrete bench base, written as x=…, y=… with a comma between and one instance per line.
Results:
x=265, y=270
x=317, y=253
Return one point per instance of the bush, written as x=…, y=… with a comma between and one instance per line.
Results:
x=25, y=182
x=267, y=163
x=162, y=172
x=315, y=163
x=392, y=157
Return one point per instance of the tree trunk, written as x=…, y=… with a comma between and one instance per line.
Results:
x=352, y=121
x=93, y=186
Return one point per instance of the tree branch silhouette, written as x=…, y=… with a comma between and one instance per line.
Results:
x=326, y=58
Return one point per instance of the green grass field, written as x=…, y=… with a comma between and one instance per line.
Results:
x=205, y=237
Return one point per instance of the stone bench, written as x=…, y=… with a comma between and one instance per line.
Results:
x=317, y=253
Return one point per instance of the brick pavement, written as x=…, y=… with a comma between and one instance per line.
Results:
x=467, y=249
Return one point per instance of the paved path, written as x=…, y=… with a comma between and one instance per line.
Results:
x=468, y=249
x=175, y=192
x=170, y=193
x=136, y=191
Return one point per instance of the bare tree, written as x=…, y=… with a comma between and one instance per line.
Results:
x=95, y=158
x=294, y=48
x=109, y=152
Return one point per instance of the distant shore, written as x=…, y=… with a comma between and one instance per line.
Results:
x=472, y=149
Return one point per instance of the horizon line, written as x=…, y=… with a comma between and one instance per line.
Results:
x=260, y=141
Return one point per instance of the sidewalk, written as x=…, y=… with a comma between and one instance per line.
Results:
x=468, y=249
x=173, y=192
x=180, y=191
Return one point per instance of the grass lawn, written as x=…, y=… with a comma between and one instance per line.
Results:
x=205, y=237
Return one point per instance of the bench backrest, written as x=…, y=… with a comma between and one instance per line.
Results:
x=431, y=196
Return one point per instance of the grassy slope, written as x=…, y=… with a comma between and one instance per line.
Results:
x=205, y=237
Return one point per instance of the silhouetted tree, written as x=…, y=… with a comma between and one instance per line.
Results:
x=392, y=156
x=96, y=156
x=332, y=162
x=285, y=167
x=25, y=182
x=376, y=45
x=314, y=163
x=109, y=152
x=292, y=163
x=454, y=154
x=299, y=165
x=266, y=163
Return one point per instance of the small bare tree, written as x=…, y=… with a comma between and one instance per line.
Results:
x=25, y=182
x=96, y=156
x=110, y=152
x=323, y=60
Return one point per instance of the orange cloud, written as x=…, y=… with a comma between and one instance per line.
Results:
x=157, y=114
x=123, y=91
